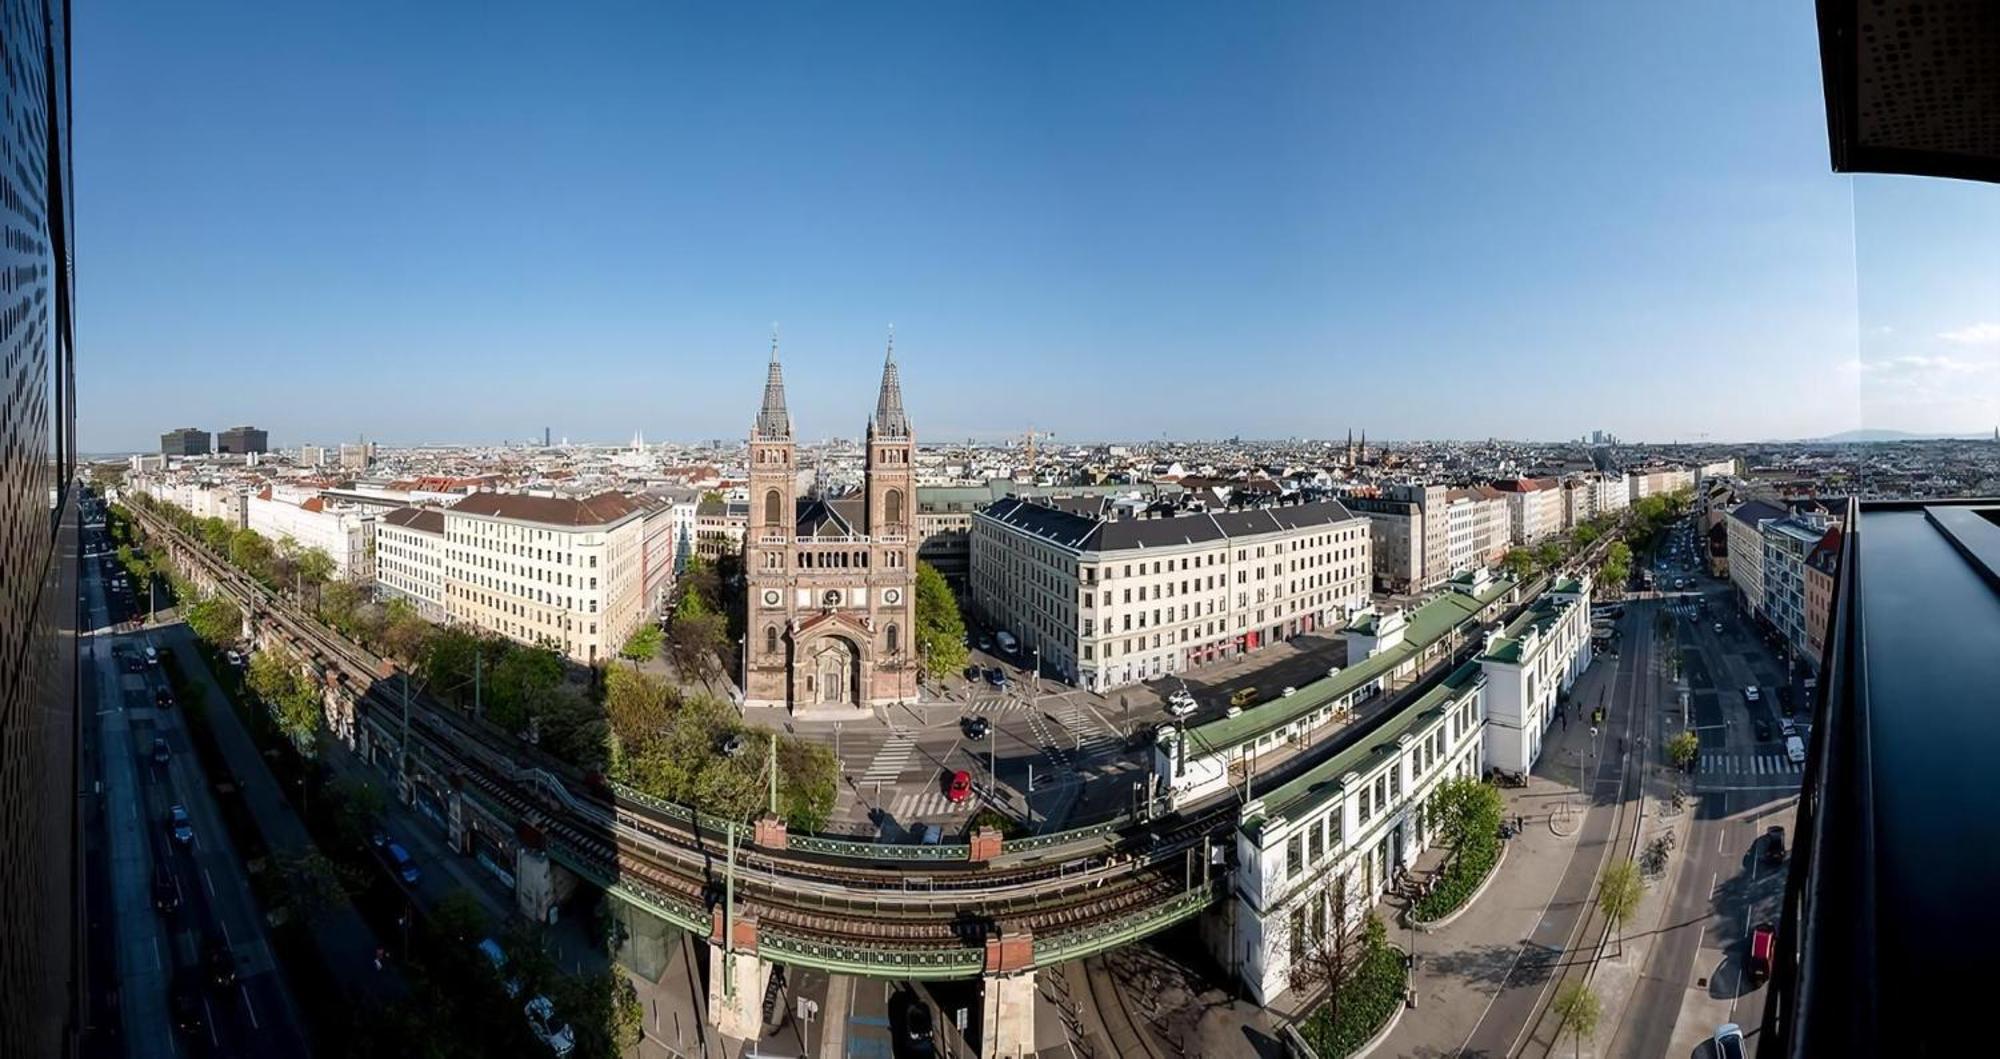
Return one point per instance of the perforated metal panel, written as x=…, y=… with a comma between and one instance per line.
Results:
x=1913, y=86
x=38, y=603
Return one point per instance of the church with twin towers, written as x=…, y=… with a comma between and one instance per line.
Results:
x=831, y=580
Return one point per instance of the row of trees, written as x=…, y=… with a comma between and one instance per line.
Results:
x=1464, y=814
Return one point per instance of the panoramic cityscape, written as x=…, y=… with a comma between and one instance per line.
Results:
x=1450, y=532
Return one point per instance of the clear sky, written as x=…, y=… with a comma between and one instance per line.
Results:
x=439, y=222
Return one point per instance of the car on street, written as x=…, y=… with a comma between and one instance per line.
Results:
x=1243, y=697
x=190, y=1011
x=1180, y=704
x=972, y=672
x=918, y=1037
x=180, y=825
x=166, y=889
x=977, y=727
x=1763, y=729
x=160, y=751
x=1718, y=626
x=1750, y=693
x=221, y=963
x=960, y=787
x=163, y=699
x=547, y=1028
x=1763, y=940
x=1795, y=750
x=1728, y=1041
x=986, y=643
x=1006, y=641
x=996, y=676
x=1788, y=726
x=1774, y=843
x=405, y=865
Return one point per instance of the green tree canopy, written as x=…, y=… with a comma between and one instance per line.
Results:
x=519, y=685
x=1618, y=894
x=1519, y=562
x=1577, y=1012
x=1683, y=748
x=216, y=619
x=643, y=645
x=940, y=628
x=1465, y=809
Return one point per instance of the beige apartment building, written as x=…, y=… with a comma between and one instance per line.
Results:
x=409, y=558
x=546, y=569
x=1113, y=593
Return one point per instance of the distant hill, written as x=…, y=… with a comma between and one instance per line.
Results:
x=1847, y=437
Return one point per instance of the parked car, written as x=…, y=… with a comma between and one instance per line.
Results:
x=547, y=1028
x=919, y=1038
x=180, y=825
x=960, y=787
x=497, y=958
x=1006, y=641
x=977, y=727
x=405, y=865
x=1728, y=1041
x=160, y=751
x=1788, y=726
x=986, y=643
x=1795, y=750
x=152, y=656
x=972, y=672
x=1243, y=697
x=1180, y=704
x=1718, y=626
x=1750, y=693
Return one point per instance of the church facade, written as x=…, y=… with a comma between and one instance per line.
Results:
x=831, y=581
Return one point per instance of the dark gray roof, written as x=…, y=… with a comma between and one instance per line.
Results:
x=422, y=519
x=1755, y=511
x=1069, y=529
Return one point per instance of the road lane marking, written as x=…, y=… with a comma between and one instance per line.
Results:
x=208, y=882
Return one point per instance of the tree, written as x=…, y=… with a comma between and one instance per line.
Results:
x=1464, y=809
x=313, y=567
x=643, y=645
x=403, y=632
x=940, y=628
x=1682, y=750
x=216, y=620
x=1327, y=954
x=459, y=917
x=1519, y=563
x=1549, y=555
x=292, y=699
x=1618, y=893
x=1577, y=1012
x=520, y=682
x=695, y=640
x=309, y=883
x=251, y=553
x=636, y=705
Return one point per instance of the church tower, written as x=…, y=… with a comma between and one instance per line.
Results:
x=891, y=491
x=767, y=550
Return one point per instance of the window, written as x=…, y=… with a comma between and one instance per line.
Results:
x=1292, y=856
x=892, y=507
x=894, y=642
x=771, y=639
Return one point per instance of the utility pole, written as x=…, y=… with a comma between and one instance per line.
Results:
x=774, y=773
x=729, y=916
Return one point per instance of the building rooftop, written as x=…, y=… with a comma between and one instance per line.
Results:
x=1079, y=523
x=1426, y=626
x=600, y=510
x=421, y=519
x=1365, y=747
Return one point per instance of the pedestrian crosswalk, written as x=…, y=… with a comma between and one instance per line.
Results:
x=1749, y=764
x=917, y=805
x=889, y=761
x=1088, y=736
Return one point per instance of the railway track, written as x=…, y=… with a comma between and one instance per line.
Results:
x=1542, y=1033
x=801, y=894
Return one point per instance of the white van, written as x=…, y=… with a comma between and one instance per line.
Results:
x=1795, y=749
x=1006, y=641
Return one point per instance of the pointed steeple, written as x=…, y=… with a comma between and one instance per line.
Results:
x=774, y=423
x=889, y=418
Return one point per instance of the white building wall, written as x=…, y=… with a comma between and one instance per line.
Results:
x=409, y=563
x=346, y=535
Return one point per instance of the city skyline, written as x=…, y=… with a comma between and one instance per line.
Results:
x=1080, y=223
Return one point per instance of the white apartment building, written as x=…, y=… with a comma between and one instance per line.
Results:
x=1746, y=551
x=1528, y=665
x=659, y=557
x=546, y=570
x=1323, y=847
x=345, y=534
x=1787, y=543
x=1534, y=509
x=1112, y=593
x=1614, y=494
x=1659, y=481
x=409, y=558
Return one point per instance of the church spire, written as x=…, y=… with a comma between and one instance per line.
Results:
x=889, y=418
x=774, y=423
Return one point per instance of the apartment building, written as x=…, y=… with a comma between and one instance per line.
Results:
x=1822, y=570
x=544, y=569
x=409, y=558
x=1534, y=509
x=346, y=534
x=1614, y=494
x=659, y=552
x=1787, y=544
x=719, y=527
x=1746, y=551
x=1396, y=542
x=1658, y=481
x=1113, y=593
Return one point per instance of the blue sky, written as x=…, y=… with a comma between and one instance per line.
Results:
x=437, y=222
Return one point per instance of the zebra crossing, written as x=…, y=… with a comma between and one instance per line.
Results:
x=914, y=805
x=890, y=760
x=1749, y=764
x=1686, y=608
x=1096, y=739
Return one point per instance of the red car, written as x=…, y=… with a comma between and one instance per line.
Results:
x=961, y=787
x=1762, y=940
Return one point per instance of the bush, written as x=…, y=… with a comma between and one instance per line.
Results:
x=1367, y=999
x=1469, y=867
